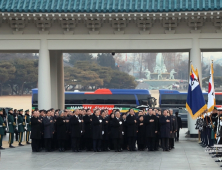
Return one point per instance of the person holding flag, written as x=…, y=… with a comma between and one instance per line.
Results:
x=211, y=93
x=211, y=108
x=195, y=104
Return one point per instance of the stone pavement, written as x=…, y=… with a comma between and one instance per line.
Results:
x=187, y=155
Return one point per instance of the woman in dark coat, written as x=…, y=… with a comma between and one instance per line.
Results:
x=105, y=136
x=88, y=129
x=125, y=140
x=110, y=141
x=141, y=134
x=61, y=131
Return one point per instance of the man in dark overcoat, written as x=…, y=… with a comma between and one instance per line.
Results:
x=75, y=129
x=48, y=124
x=151, y=124
x=116, y=125
x=165, y=130
x=97, y=131
x=131, y=129
x=36, y=126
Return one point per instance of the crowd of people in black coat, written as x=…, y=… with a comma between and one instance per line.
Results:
x=100, y=131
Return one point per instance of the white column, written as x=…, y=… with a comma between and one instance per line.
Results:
x=44, y=82
x=53, y=73
x=60, y=80
x=195, y=57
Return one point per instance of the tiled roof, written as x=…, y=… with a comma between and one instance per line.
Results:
x=107, y=6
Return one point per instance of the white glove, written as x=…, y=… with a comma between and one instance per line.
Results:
x=81, y=131
x=100, y=121
x=122, y=133
x=120, y=123
x=221, y=123
x=80, y=121
x=102, y=132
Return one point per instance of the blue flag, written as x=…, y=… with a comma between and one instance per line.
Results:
x=195, y=101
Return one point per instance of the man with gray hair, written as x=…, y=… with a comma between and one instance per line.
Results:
x=75, y=128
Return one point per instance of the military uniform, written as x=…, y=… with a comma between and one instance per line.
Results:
x=2, y=129
x=21, y=125
x=11, y=126
x=28, y=125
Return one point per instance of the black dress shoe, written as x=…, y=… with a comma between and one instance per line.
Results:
x=79, y=151
x=28, y=143
x=1, y=148
x=119, y=150
x=21, y=144
x=11, y=146
x=98, y=150
x=116, y=150
x=217, y=161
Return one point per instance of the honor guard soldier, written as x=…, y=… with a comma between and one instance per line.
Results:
x=11, y=126
x=21, y=125
x=2, y=128
x=28, y=126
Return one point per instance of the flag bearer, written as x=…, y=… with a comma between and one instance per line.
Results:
x=28, y=126
x=11, y=126
x=21, y=125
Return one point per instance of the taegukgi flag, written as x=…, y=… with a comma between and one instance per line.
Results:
x=195, y=101
x=211, y=93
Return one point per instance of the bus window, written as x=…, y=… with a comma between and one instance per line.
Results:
x=120, y=99
x=218, y=99
x=75, y=99
x=173, y=99
x=94, y=99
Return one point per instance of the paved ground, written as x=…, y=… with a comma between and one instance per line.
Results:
x=188, y=155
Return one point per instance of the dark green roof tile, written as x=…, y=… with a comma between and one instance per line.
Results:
x=107, y=6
